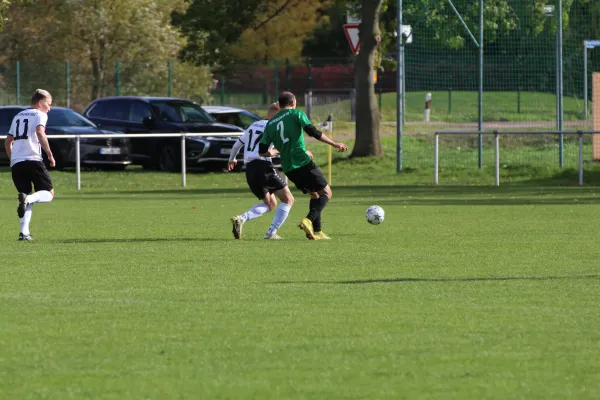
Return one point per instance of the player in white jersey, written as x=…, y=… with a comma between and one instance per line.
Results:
x=24, y=143
x=262, y=178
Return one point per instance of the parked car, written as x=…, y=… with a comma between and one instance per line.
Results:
x=103, y=153
x=166, y=115
x=232, y=115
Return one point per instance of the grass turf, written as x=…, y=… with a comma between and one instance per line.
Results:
x=136, y=289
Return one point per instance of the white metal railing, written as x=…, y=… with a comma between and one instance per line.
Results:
x=497, y=147
x=135, y=135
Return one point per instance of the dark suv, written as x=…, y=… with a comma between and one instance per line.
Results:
x=166, y=115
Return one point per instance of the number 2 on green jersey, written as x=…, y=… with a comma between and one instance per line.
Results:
x=280, y=127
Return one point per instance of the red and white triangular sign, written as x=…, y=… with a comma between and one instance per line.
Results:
x=351, y=31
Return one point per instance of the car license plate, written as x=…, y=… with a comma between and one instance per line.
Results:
x=225, y=151
x=110, y=150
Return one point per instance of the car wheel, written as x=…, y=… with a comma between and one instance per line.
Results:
x=169, y=159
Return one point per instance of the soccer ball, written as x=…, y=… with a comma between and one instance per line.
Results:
x=375, y=215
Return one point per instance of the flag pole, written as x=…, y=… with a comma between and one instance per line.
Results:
x=329, y=125
x=329, y=159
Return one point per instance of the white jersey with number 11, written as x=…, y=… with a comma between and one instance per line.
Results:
x=26, y=146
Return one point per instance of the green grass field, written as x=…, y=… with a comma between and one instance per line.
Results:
x=135, y=289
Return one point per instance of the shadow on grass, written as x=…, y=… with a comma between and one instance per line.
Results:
x=137, y=240
x=418, y=280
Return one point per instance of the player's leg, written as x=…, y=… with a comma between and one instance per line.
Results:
x=40, y=196
x=300, y=177
x=23, y=174
x=23, y=186
x=278, y=188
x=254, y=177
x=43, y=193
x=42, y=183
x=317, y=207
x=282, y=212
x=319, y=192
x=22, y=182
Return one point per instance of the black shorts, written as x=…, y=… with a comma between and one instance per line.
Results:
x=308, y=179
x=262, y=178
x=26, y=173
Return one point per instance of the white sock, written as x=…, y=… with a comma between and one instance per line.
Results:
x=42, y=196
x=26, y=219
x=255, y=212
x=279, y=218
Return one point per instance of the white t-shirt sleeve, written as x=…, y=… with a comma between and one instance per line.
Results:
x=42, y=119
x=244, y=137
x=13, y=129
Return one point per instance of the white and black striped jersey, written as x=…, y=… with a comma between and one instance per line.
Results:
x=26, y=146
x=251, y=139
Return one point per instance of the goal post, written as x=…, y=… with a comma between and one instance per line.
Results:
x=596, y=115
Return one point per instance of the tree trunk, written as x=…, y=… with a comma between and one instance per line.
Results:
x=96, y=78
x=97, y=61
x=367, y=141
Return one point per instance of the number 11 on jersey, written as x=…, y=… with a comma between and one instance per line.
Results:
x=25, y=129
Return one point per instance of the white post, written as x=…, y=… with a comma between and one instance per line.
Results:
x=580, y=159
x=78, y=161
x=497, y=153
x=309, y=104
x=183, y=172
x=585, y=79
x=427, y=106
x=435, y=159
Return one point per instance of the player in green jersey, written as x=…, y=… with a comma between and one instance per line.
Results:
x=286, y=131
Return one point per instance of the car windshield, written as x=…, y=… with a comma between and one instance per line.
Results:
x=64, y=117
x=180, y=111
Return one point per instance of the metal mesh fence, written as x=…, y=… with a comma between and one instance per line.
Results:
x=522, y=156
x=519, y=76
x=596, y=116
x=76, y=85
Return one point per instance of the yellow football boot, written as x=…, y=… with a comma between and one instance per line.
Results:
x=307, y=226
x=321, y=236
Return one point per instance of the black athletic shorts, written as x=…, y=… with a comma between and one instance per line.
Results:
x=308, y=178
x=26, y=173
x=262, y=178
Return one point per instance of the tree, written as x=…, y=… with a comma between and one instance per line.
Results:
x=437, y=21
x=212, y=28
x=368, y=142
x=282, y=36
x=327, y=39
x=4, y=6
x=94, y=34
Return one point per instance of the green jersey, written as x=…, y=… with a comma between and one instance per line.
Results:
x=286, y=131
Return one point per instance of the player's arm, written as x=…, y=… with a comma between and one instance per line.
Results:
x=234, y=152
x=266, y=150
x=264, y=147
x=8, y=143
x=311, y=131
x=40, y=132
x=321, y=137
